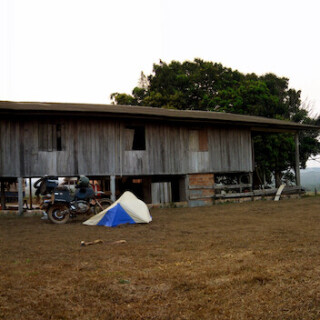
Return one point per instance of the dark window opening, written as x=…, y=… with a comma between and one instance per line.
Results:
x=50, y=137
x=135, y=138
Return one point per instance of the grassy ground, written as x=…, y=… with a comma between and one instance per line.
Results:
x=235, y=261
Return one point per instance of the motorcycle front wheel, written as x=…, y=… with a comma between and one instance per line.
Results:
x=105, y=203
x=59, y=213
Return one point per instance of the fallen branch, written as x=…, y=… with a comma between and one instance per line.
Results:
x=84, y=244
x=119, y=242
x=89, y=243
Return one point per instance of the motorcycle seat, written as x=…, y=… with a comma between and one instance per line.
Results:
x=84, y=193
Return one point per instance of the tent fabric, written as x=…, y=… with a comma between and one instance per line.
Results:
x=127, y=209
x=117, y=215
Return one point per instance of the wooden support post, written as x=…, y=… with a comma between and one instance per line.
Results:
x=20, y=195
x=297, y=160
x=187, y=189
x=251, y=185
x=251, y=181
x=113, y=187
x=30, y=193
x=3, y=199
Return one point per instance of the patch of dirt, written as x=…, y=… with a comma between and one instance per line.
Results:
x=254, y=260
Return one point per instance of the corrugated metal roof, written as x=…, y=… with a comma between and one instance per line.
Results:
x=148, y=113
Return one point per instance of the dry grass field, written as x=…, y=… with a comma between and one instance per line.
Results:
x=256, y=260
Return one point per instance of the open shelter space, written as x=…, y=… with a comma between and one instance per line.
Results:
x=255, y=260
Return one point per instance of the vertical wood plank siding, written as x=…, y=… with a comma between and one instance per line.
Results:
x=9, y=149
x=99, y=147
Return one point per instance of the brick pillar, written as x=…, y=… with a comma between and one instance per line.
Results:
x=200, y=189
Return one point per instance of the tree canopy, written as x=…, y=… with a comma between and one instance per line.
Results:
x=203, y=85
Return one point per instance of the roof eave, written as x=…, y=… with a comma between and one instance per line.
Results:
x=119, y=111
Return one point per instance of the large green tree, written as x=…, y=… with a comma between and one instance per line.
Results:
x=203, y=85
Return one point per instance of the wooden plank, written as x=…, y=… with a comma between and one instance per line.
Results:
x=15, y=149
x=255, y=193
x=279, y=191
x=50, y=137
x=155, y=193
x=184, y=151
x=234, y=145
x=113, y=187
x=161, y=192
x=97, y=147
x=224, y=151
x=30, y=194
x=134, y=162
x=297, y=159
x=128, y=136
x=234, y=186
x=167, y=192
x=27, y=161
x=234, y=195
x=203, y=139
x=214, y=150
x=41, y=137
x=64, y=137
x=22, y=148
x=54, y=136
x=3, y=199
x=193, y=140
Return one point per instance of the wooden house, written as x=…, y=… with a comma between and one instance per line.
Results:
x=162, y=155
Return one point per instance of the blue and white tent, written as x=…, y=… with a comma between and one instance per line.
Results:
x=127, y=209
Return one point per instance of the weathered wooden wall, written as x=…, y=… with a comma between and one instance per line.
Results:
x=99, y=147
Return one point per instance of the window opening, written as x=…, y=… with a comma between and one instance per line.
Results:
x=50, y=137
x=135, y=138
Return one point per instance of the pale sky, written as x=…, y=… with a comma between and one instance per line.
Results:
x=83, y=50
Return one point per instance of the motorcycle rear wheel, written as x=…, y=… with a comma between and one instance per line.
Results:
x=105, y=203
x=59, y=213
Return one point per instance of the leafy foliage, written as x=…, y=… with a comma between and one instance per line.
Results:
x=203, y=85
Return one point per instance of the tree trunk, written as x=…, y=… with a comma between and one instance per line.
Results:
x=278, y=176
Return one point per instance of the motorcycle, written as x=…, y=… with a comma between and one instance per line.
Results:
x=60, y=206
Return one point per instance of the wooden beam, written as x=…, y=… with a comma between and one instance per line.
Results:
x=232, y=186
x=256, y=193
x=297, y=160
x=20, y=195
x=251, y=180
x=30, y=193
x=187, y=189
x=3, y=198
x=275, y=130
x=113, y=187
